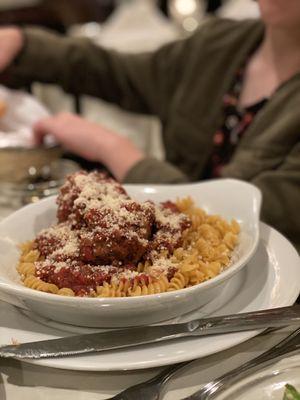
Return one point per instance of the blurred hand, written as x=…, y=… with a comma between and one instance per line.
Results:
x=90, y=141
x=11, y=43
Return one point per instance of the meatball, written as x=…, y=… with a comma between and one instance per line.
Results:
x=80, y=190
x=58, y=243
x=117, y=235
x=168, y=228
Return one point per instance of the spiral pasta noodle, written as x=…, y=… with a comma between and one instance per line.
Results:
x=113, y=290
x=33, y=282
x=66, y=292
x=26, y=266
x=26, y=269
x=179, y=281
x=153, y=287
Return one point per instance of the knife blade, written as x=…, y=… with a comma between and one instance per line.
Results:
x=123, y=338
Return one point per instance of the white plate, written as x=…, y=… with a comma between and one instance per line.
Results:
x=226, y=197
x=268, y=383
x=271, y=279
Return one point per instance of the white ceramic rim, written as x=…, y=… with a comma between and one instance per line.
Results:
x=25, y=292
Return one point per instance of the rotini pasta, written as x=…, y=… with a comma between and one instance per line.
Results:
x=26, y=269
x=188, y=247
x=35, y=283
x=113, y=290
x=153, y=287
x=179, y=281
x=66, y=292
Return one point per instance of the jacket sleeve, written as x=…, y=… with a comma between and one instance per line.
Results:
x=141, y=82
x=281, y=196
x=151, y=170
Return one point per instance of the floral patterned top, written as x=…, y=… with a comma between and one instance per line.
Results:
x=236, y=122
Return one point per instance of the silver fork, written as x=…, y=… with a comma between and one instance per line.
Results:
x=289, y=345
x=154, y=388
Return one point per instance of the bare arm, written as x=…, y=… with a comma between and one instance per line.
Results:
x=96, y=143
x=11, y=43
x=90, y=141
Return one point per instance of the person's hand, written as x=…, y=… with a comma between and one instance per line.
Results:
x=90, y=141
x=11, y=43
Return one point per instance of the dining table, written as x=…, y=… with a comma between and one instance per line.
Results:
x=21, y=380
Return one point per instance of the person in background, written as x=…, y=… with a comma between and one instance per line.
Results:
x=228, y=98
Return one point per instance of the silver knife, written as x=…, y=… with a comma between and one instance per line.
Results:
x=121, y=338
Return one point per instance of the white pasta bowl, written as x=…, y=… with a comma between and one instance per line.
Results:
x=225, y=197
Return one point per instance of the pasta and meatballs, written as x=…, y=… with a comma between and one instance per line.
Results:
x=107, y=244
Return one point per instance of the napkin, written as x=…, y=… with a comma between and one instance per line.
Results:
x=20, y=111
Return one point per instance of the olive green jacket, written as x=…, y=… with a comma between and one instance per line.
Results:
x=183, y=83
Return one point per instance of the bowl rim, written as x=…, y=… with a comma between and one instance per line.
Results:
x=22, y=291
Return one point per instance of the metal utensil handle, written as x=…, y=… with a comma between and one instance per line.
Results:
x=166, y=374
x=241, y=322
x=289, y=345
